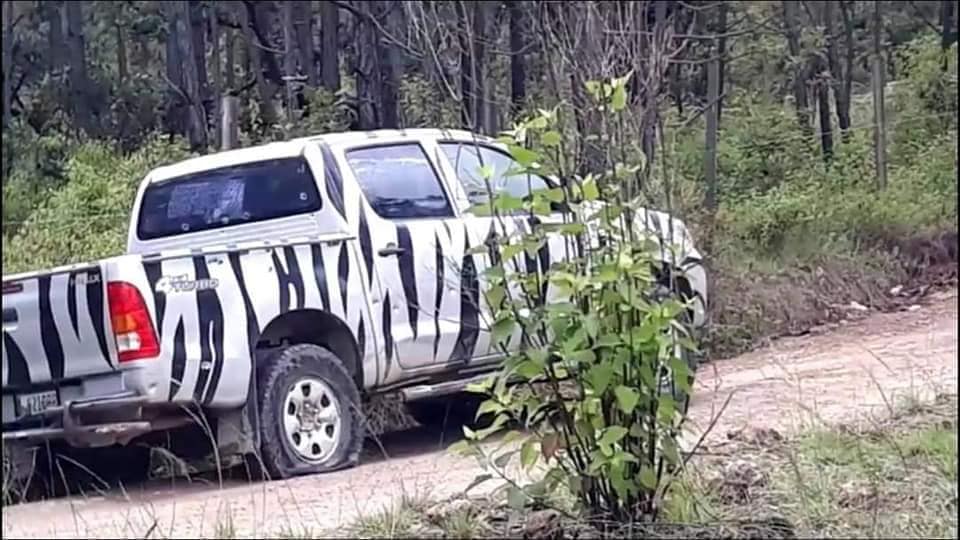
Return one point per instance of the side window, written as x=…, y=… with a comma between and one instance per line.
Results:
x=399, y=181
x=467, y=160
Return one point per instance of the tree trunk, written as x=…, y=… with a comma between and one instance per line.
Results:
x=216, y=88
x=174, y=73
x=80, y=104
x=198, y=42
x=722, y=53
x=468, y=89
x=823, y=107
x=710, y=153
x=368, y=69
x=121, y=49
x=836, y=71
x=800, y=72
x=846, y=86
x=289, y=61
x=391, y=69
x=266, y=90
x=303, y=14
x=7, y=62
x=196, y=113
x=518, y=68
x=55, y=44
x=947, y=14
x=230, y=60
x=879, y=114
x=330, y=45
x=481, y=100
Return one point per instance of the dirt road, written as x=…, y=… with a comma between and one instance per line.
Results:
x=827, y=376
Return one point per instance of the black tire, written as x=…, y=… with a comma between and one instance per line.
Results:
x=447, y=413
x=276, y=376
x=690, y=358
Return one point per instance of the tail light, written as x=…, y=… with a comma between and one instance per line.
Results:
x=130, y=318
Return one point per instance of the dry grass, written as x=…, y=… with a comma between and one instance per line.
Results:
x=889, y=478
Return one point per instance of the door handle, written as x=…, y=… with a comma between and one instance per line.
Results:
x=391, y=249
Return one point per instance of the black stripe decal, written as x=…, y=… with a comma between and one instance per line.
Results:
x=179, y=360
x=361, y=339
x=96, y=309
x=288, y=276
x=49, y=336
x=253, y=327
x=408, y=277
x=333, y=180
x=366, y=245
x=438, y=299
x=343, y=272
x=153, y=271
x=210, y=315
x=17, y=372
x=320, y=275
x=387, y=335
x=544, y=255
x=72, y=302
x=469, y=316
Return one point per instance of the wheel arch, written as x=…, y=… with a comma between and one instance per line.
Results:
x=315, y=327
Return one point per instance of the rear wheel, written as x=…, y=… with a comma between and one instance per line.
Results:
x=689, y=358
x=310, y=416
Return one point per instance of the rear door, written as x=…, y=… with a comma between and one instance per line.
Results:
x=465, y=159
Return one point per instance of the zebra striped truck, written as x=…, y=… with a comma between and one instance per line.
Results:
x=274, y=289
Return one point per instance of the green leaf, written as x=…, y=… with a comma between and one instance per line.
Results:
x=503, y=329
x=495, y=296
x=526, y=158
x=512, y=250
x=619, y=99
x=528, y=369
x=507, y=203
x=459, y=448
x=554, y=194
x=599, y=377
x=528, y=454
x=666, y=408
x=516, y=498
x=550, y=138
x=488, y=406
x=585, y=356
x=648, y=478
x=486, y=172
x=627, y=398
x=590, y=190
x=612, y=435
x=479, y=479
x=503, y=459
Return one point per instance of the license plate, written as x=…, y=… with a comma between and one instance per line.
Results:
x=31, y=404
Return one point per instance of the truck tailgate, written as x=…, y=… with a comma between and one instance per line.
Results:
x=56, y=326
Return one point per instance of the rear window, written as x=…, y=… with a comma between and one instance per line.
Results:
x=228, y=196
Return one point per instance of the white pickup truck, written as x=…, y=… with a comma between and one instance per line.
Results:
x=272, y=289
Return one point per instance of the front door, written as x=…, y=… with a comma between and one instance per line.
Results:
x=414, y=247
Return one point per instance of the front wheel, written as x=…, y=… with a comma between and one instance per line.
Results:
x=310, y=416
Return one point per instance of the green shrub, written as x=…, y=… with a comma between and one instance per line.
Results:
x=87, y=217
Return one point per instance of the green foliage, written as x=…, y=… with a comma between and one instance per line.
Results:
x=87, y=217
x=595, y=344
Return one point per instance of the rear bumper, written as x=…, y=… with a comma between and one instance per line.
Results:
x=65, y=422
